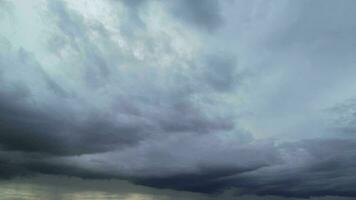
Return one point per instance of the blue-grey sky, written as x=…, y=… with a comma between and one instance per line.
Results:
x=208, y=98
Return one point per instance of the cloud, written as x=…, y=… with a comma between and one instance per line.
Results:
x=51, y=127
x=205, y=15
x=104, y=107
x=310, y=168
x=135, y=90
x=6, y=8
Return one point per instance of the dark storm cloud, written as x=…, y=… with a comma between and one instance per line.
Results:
x=30, y=130
x=52, y=128
x=323, y=167
x=26, y=126
x=205, y=181
x=56, y=130
x=10, y=170
x=311, y=168
x=157, y=109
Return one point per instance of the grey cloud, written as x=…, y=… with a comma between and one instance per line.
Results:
x=173, y=103
x=316, y=167
x=300, y=55
x=307, y=168
x=30, y=130
x=30, y=127
x=107, y=111
x=302, y=169
x=74, y=32
x=221, y=73
x=6, y=8
x=342, y=118
x=50, y=126
x=70, y=23
x=206, y=15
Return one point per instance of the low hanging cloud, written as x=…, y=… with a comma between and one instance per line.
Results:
x=180, y=95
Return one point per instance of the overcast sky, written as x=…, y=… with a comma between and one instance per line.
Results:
x=178, y=99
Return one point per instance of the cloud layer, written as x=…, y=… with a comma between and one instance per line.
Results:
x=253, y=96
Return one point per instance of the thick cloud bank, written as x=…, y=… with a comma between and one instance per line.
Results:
x=200, y=96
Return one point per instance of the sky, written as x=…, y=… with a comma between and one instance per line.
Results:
x=177, y=99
